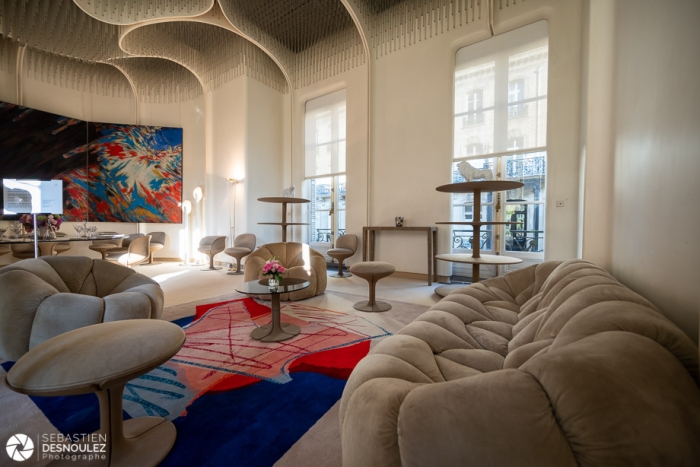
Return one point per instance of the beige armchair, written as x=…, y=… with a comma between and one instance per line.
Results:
x=345, y=247
x=157, y=243
x=300, y=261
x=105, y=246
x=211, y=246
x=243, y=245
x=137, y=252
x=44, y=297
x=114, y=253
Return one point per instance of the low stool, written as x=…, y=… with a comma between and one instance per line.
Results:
x=372, y=271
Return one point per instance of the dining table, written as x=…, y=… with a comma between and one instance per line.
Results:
x=47, y=246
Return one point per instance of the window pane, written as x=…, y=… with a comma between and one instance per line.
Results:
x=320, y=228
x=529, y=169
x=341, y=157
x=528, y=235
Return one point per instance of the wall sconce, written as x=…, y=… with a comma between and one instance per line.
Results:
x=232, y=214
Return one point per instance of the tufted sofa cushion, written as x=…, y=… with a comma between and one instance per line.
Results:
x=552, y=365
x=299, y=260
x=42, y=298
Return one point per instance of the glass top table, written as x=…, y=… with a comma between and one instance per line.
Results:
x=275, y=331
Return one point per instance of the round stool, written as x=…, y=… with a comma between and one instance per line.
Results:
x=372, y=271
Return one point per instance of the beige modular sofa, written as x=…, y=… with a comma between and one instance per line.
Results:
x=299, y=260
x=42, y=298
x=557, y=364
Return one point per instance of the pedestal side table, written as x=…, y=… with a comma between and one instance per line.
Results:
x=102, y=358
x=275, y=331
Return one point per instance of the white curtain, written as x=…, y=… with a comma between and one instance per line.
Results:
x=325, y=135
x=501, y=93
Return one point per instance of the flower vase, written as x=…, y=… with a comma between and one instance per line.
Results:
x=49, y=234
x=273, y=283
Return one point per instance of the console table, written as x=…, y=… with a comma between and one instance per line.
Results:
x=283, y=201
x=476, y=259
x=368, y=234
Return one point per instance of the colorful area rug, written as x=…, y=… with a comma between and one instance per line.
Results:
x=235, y=400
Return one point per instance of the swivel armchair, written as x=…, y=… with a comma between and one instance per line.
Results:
x=211, y=246
x=137, y=252
x=243, y=245
x=345, y=247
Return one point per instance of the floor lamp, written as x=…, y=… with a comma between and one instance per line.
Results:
x=198, y=195
x=232, y=214
x=186, y=209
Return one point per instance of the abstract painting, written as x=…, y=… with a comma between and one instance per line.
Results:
x=135, y=173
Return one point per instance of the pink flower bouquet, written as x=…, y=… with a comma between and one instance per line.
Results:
x=52, y=222
x=273, y=268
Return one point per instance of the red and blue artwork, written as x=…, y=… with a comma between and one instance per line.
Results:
x=135, y=173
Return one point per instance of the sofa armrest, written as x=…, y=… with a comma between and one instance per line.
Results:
x=497, y=418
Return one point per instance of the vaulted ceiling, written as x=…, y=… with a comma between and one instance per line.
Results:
x=191, y=46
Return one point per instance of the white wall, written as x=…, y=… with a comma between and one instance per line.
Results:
x=265, y=161
x=656, y=218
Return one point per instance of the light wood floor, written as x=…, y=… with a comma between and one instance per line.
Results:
x=183, y=284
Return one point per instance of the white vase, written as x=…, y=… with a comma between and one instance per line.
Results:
x=273, y=283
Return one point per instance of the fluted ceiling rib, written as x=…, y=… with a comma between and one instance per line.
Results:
x=312, y=39
x=396, y=24
x=214, y=54
x=97, y=78
x=159, y=80
x=59, y=27
x=282, y=43
x=126, y=12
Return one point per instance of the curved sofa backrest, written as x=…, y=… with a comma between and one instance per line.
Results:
x=347, y=241
x=157, y=237
x=291, y=254
x=41, y=298
x=245, y=241
x=130, y=238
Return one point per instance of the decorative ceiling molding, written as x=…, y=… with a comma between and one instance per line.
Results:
x=213, y=54
x=330, y=56
x=159, y=80
x=125, y=12
x=59, y=27
x=310, y=39
x=281, y=43
x=396, y=24
x=97, y=78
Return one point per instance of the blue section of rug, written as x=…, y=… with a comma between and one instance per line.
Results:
x=70, y=414
x=254, y=425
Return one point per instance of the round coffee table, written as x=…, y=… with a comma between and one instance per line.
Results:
x=102, y=358
x=275, y=331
